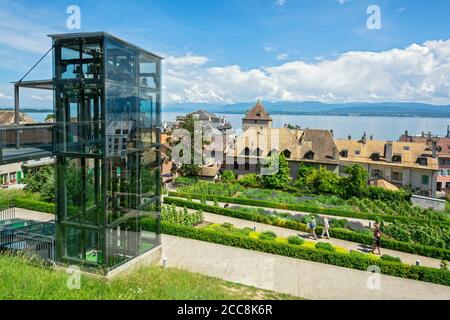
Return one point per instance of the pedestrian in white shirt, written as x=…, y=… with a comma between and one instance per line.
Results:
x=326, y=227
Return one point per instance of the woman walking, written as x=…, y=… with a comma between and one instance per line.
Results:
x=326, y=227
x=376, y=238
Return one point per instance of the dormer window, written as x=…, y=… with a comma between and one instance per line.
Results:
x=357, y=152
x=423, y=161
x=247, y=152
x=344, y=154
x=287, y=154
x=309, y=155
x=397, y=158
x=375, y=156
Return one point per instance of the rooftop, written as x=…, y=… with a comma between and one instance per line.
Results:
x=258, y=112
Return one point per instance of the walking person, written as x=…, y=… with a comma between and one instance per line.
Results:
x=326, y=227
x=312, y=228
x=376, y=238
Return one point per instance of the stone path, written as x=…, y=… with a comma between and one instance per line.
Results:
x=301, y=278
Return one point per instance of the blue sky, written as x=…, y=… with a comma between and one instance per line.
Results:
x=241, y=50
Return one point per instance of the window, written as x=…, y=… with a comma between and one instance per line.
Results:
x=423, y=161
x=236, y=164
x=397, y=176
x=287, y=154
x=397, y=158
x=375, y=156
x=425, y=180
x=406, y=148
x=309, y=155
x=377, y=173
x=247, y=151
x=357, y=152
x=344, y=153
x=247, y=165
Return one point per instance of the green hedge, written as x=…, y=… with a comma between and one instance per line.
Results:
x=33, y=205
x=396, y=269
x=338, y=233
x=309, y=209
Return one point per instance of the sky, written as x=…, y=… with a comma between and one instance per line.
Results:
x=233, y=51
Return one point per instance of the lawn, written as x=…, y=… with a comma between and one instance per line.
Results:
x=22, y=280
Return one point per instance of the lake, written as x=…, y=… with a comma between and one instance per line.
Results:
x=382, y=128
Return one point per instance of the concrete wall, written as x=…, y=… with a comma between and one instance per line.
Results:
x=428, y=203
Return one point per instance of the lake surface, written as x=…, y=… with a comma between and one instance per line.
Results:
x=382, y=128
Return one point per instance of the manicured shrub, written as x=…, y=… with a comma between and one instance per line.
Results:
x=296, y=240
x=267, y=235
x=325, y=246
x=338, y=233
x=322, y=256
x=390, y=258
x=227, y=225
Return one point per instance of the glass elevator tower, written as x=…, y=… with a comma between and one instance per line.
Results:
x=106, y=144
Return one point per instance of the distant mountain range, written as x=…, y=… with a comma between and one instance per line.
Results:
x=385, y=109
x=388, y=109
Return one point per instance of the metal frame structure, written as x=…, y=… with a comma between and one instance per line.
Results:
x=106, y=143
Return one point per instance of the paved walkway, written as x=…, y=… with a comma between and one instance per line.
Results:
x=33, y=215
x=291, y=212
x=283, y=232
x=301, y=278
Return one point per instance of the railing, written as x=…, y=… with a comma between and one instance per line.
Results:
x=7, y=214
x=41, y=245
x=38, y=238
x=25, y=142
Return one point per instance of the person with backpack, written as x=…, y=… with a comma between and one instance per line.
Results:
x=326, y=227
x=376, y=238
x=312, y=228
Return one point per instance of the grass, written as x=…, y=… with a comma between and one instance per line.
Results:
x=24, y=280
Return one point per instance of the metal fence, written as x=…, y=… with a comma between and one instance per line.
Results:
x=7, y=214
x=37, y=238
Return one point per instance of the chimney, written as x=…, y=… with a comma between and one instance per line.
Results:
x=389, y=151
x=334, y=153
x=434, y=148
x=332, y=132
x=371, y=137
x=448, y=131
x=349, y=137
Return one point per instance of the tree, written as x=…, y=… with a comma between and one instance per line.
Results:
x=191, y=169
x=323, y=181
x=304, y=171
x=228, y=176
x=281, y=179
x=250, y=181
x=42, y=182
x=355, y=184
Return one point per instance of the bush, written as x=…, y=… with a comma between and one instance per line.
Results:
x=267, y=235
x=390, y=258
x=250, y=180
x=34, y=205
x=228, y=176
x=325, y=246
x=396, y=269
x=296, y=240
x=227, y=225
x=338, y=233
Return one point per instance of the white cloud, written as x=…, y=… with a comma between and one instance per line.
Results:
x=401, y=9
x=280, y=3
x=342, y=1
x=269, y=49
x=188, y=60
x=282, y=56
x=4, y=96
x=415, y=73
